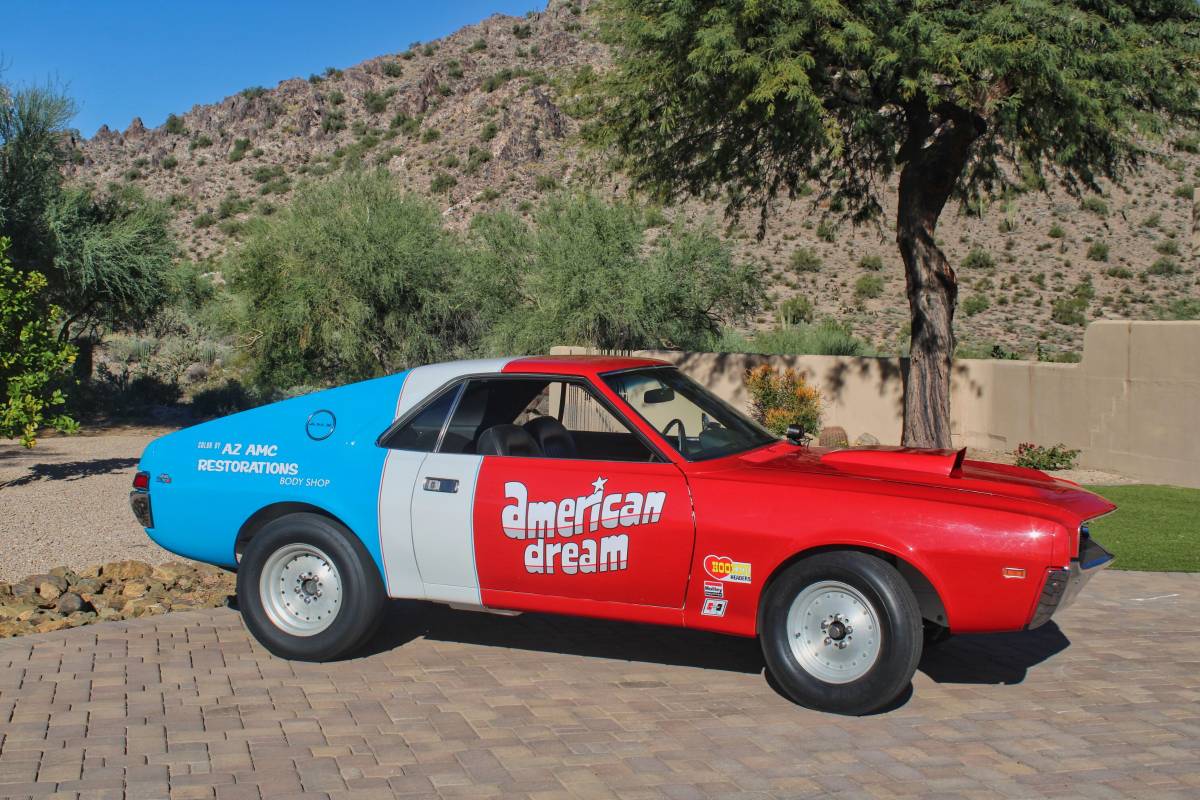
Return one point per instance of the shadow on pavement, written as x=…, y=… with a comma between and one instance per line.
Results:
x=72, y=470
x=993, y=658
x=1003, y=658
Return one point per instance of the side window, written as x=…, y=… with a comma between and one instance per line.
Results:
x=421, y=432
x=539, y=418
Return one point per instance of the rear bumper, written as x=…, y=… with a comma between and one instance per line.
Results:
x=1062, y=586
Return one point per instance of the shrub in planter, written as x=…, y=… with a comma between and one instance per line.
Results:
x=1034, y=456
x=779, y=398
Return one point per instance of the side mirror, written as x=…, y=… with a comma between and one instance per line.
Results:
x=655, y=396
x=795, y=434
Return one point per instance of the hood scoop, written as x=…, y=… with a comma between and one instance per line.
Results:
x=944, y=463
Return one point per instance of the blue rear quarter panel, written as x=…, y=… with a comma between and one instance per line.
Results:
x=206, y=481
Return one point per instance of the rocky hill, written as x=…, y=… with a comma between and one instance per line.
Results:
x=482, y=119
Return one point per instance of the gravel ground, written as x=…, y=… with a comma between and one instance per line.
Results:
x=66, y=502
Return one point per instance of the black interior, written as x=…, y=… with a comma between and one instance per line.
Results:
x=484, y=423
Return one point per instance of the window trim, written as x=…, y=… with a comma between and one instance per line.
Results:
x=462, y=381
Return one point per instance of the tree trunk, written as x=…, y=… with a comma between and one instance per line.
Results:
x=926, y=181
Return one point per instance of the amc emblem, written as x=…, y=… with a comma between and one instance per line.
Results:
x=320, y=425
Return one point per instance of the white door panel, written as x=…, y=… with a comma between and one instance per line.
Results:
x=443, y=501
x=400, y=470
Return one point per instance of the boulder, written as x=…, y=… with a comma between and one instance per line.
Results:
x=172, y=571
x=865, y=440
x=135, y=589
x=70, y=603
x=66, y=573
x=14, y=611
x=126, y=570
x=49, y=592
x=5, y=591
x=55, y=624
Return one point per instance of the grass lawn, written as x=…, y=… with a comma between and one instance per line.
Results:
x=1154, y=527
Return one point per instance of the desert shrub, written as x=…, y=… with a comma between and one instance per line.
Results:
x=200, y=142
x=1167, y=247
x=1098, y=251
x=375, y=102
x=1188, y=144
x=489, y=131
x=1184, y=191
x=405, y=124
x=174, y=125
x=392, y=69
x=169, y=162
x=205, y=220
x=975, y=304
x=1056, y=231
x=1165, y=267
x=1118, y=272
x=825, y=338
x=795, y=310
x=430, y=135
x=1095, y=204
x=826, y=231
x=868, y=287
x=782, y=398
x=978, y=258
x=805, y=260
x=476, y=158
x=333, y=120
x=267, y=172
x=442, y=183
x=1180, y=308
x=1152, y=221
x=522, y=31
x=240, y=146
x=450, y=160
x=545, y=183
x=477, y=45
x=232, y=205
x=1034, y=456
x=872, y=263
x=254, y=92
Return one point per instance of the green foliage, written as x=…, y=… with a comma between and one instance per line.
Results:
x=522, y=31
x=1153, y=528
x=430, y=135
x=392, y=69
x=1095, y=204
x=795, y=310
x=375, y=102
x=336, y=97
x=868, y=287
x=825, y=338
x=200, y=142
x=872, y=263
x=476, y=158
x=240, y=146
x=780, y=398
x=1056, y=231
x=975, y=304
x=1188, y=144
x=978, y=258
x=1165, y=267
x=1034, y=456
x=805, y=260
x=353, y=280
x=174, y=125
x=477, y=46
x=169, y=162
x=1071, y=308
x=489, y=131
x=31, y=356
x=1167, y=247
x=1098, y=251
x=584, y=274
x=254, y=92
x=1181, y=308
x=333, y=120
x=1123, y=273
x=205, y=220
x=826, y=231
x=454, y=69
x=545, y=183
x=1185, y=191
x=442, y=183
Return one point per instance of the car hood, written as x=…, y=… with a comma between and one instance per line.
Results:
x=904, y=470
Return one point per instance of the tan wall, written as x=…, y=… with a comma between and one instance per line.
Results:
x=1131, y=406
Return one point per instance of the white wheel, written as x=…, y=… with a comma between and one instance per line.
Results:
x=300, y=589
x=834, y=632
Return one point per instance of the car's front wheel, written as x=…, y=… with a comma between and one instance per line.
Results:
x=841, y=632
x=308, y=589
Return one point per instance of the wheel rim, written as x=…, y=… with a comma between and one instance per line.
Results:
x=834, y=632
x=301, y=589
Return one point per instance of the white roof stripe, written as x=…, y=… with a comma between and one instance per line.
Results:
x=423, y=380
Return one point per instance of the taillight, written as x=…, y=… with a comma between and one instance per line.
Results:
x=141, y=481
x=139, y=499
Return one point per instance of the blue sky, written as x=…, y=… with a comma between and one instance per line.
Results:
x=124, y=58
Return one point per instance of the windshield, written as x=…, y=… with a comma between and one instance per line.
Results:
x=693, y=420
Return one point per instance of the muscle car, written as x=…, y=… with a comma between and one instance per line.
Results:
x=617, y=488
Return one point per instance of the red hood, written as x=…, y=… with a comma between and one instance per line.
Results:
x=935, y=469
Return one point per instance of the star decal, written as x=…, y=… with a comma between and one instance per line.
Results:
x=598, y=485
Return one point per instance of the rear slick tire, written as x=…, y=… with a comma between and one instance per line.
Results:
x=841, y=632
x=308, y=589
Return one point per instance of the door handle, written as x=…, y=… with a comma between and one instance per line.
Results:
x=447, y=485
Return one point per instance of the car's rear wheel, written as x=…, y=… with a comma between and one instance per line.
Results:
x=308, y=589
x=841, y=632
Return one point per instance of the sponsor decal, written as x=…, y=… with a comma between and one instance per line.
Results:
x=713, y=607
x=320, y=425
x=567, y=518
x=724, y=568
x=714, y=589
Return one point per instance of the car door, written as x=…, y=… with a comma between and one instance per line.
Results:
x=609, y=522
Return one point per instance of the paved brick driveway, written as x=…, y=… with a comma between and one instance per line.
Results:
x=469, y=705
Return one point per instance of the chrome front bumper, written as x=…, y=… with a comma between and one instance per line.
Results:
x=1064, y=585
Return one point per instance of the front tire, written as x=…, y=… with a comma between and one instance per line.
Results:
x=841, y=632
x=308, y=589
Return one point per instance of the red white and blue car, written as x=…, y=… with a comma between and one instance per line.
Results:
x=619, y=488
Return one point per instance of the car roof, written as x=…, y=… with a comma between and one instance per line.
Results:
x=582, y=365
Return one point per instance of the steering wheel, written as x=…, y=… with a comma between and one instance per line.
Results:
x=681, y=437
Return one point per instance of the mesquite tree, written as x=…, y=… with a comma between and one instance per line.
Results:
x=750, y=99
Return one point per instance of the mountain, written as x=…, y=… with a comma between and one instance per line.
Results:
x=483, y=119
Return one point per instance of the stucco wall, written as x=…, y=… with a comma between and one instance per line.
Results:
x=1132, y=405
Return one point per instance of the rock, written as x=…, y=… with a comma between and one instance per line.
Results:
x=145, y=607
x=195, y=372
x=5, y=591
x=70, y=603
x=8, y=629
x=30, y=613
x=66, y=574
x=23, y=590
x=56, y=624
x=49, y=592
x=13, y=611
x=834, y=436
x=91, y=572
x=865, y=440
x=172, y=571
x=81, y=618
x=107, y=614
x=126, y=570
x=88, y=586
x=135, y=589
